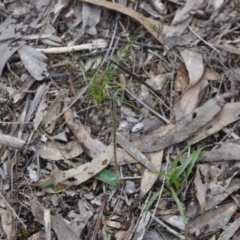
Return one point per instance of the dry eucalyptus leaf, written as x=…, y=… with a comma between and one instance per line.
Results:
x=33, y=61
x=90, y=17
x=187, y=104
x=148, y=178
x=37, y=99
x=7, y=221
x=213, y=220
x=230, y=230
x=80, y=174
x=182, y=79
x=93, y=147
x=147, y=23
x=224, y=151
x=216, y=3
x=194, y=65
x=183, y=18
x=212, y=75
x=58, y=6
x=42, y=9
x=200, y=190
x=9, y=32
x=214, y=201
x=79, y=222
x=49, y=120
x=55, y=151
x=229, y=114
x=152, y=142
x=58, y=224
x=39, y=115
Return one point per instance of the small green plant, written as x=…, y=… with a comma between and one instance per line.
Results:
x=175, y=178
x=102, y=85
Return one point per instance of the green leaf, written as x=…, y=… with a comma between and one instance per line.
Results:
x=108, y=177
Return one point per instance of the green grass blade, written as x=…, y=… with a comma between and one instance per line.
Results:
x=181, y=169
x=151, y=200
x=179, y=204
x=196, y=155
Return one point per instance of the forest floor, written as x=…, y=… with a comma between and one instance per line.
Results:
x=120, y=120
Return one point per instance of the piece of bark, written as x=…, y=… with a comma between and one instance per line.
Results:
x=10, y=141
x=203, y=114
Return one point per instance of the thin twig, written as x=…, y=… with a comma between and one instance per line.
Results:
x=208, y=44
x=88, y=46
x=168, y=228
x=14, y=213
x=149, y=108
x=99, y=221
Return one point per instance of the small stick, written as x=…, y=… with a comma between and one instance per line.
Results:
x=98, y=223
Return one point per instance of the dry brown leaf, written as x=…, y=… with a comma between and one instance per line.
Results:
x=229, y=114
x=194, y=64
x=148, y=178
x=187, y=104
x=181, y=79
x=37, y=236
x=149, y=24
x=7, y=221
x=214, y=201
x=120, y=235
x=79, y=222
x=40, y=113
x=230, y=230
x=37, y=99
x=23, y=90
x=55, y=151
x=90, y=17
x=217, y=177
x=93, y=147
x=58, y=224
x=113, y=224
x=33, y=61
x=183, y=18
x=225, y=151
x=200, y=190
x=82, y=173
x=160, y=68
x=49, y=120
x=152, y=142
x=9, y=33
x=213, y=220
x=212, y=75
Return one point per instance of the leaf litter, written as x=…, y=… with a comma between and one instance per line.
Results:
x=169, y=164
